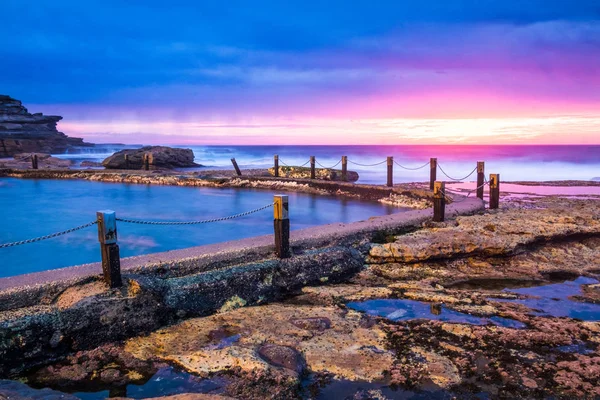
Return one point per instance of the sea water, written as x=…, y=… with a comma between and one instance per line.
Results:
x=513, y=163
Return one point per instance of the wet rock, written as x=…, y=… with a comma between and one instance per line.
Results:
x=513, y=231
x=101, y=368
x=346, y=349
x=159, y=157
x=320, y=173
x=282, y=356
x=87, y=163
x=312, y=324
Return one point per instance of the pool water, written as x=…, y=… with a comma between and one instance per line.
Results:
x=32, y=208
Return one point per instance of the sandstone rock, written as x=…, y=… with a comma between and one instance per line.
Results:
x=513, y=230
x=45, y=161
x=320, y=173
x=21, y=131
x=160, y=157
x=346, y=349
x=88, y=163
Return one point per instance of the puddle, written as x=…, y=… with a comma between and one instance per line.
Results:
x=225, y=342
x=167, y=381
x=580, y=348
x=553, y=300
x=351, y=390
x=402, y=310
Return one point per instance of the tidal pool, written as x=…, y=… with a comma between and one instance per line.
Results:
x=554, y=300
x=403, y=309
x=32, y=208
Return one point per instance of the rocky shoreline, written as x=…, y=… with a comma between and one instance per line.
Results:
x=21, y=131
x=415, y=196
x=482, y=333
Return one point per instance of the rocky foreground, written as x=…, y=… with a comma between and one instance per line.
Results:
x=23, y=132
x=318, y=345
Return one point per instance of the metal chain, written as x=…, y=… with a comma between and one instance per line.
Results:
x=468, y=193
x=306, y=163
x=135, y=221
x=411, y=169
x=454, y=179
x=53, y=235
x=367, y=165
x=322, y=166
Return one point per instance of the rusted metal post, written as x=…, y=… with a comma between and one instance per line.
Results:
x=126, y=157
x=390, y=171
x=109, y=249
x=312, y=167
x=480, y=178
x=34, y=161
x=237, y=169
x=439, y=201
x=146, y=162
x=281, y=223
x=432, y=172
x=345, y=168
x=494, y=191
x=276, y=165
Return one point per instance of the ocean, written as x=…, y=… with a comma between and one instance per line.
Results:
x=513, y=163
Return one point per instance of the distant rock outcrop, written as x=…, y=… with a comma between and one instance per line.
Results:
x=22, y=132
x=159, y=157
x=327, y=174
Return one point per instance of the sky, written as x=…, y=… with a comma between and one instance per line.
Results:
x=308, y=72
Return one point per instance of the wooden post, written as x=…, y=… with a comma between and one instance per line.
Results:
x=312, y=167
x=345, y=168
x=34, y=161
x=390, y=171
x=146, y=162
x=480, y=178
x=281, y=223
x=494, y=191
x=439, y=201
x=126, y=157
x=109, y=249
x=432, y=172
x=276, y=165
x=237, y=169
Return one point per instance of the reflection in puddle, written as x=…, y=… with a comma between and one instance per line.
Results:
x=167, y=381
x=554, y=300
x=402, y=310
x=349, y=390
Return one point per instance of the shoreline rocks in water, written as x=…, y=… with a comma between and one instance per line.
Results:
x=23, y=132
x=45, y=161
x=326, y=174
x=159, y=157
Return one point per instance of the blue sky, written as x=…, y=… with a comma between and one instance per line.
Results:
x=309, y=63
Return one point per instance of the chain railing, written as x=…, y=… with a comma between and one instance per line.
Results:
x=332, y=167
x=410, y=168
x=367, y=165
x=456, y=179
x=107, y=234
x=45, y=237
x=465, y=197
x=206, y=221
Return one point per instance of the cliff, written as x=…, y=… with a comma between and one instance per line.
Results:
x=23, y=132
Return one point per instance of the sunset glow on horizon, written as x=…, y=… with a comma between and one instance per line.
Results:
x=461, y=72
